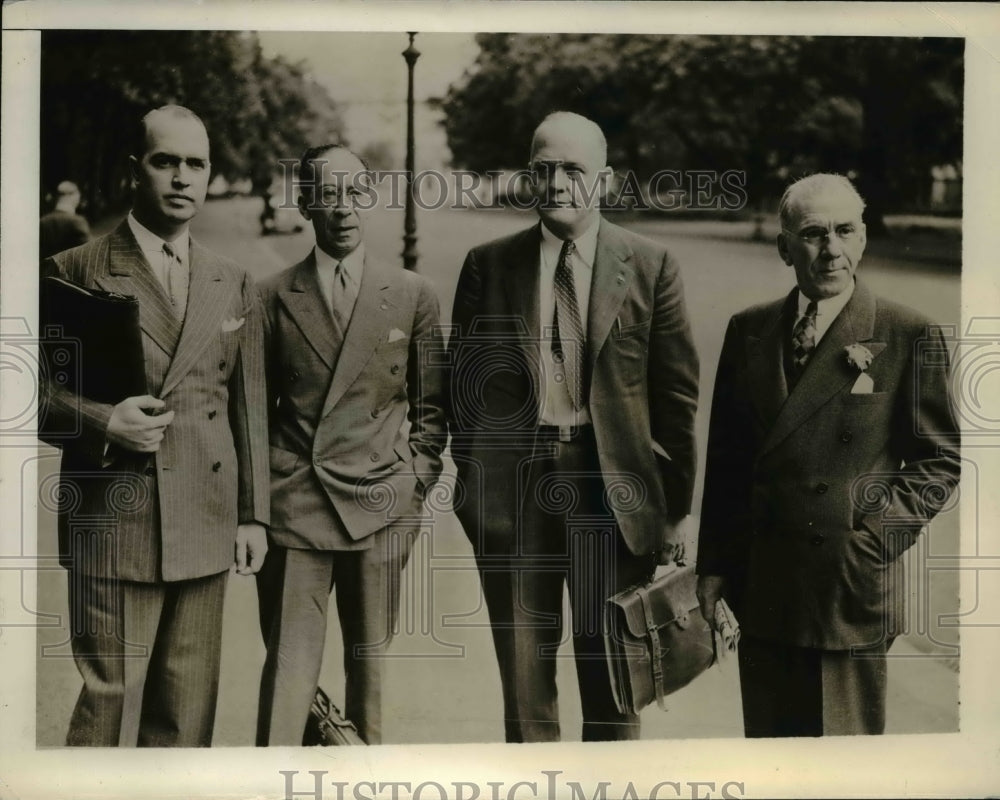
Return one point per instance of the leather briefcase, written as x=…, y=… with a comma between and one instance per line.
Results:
x=326, y=726
x=656, y=639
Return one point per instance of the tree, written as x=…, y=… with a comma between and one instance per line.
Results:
x=97, y=84
x=775, y=107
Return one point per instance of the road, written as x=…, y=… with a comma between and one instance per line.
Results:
x=442, y=683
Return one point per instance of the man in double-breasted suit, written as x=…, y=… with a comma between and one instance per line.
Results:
x=161, y=493
x=357, y=431
x=832, y=443
x=572, y=394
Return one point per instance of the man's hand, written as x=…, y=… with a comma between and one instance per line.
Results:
x=131, y=428
x=709, y=591
x=672, y=542
x=251, y=547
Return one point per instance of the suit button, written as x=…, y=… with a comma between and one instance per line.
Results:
x=817, y=540
x=212, y=413
x=846, y=436
x=216, y=466
x=373, y=457
x=821, y=488
x=374, y=413
x=394, y=369
x=150, y=471
x=222, y=364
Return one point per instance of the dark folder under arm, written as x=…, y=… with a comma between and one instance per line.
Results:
x=91, y=342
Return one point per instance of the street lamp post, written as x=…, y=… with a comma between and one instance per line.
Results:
x=411, y=54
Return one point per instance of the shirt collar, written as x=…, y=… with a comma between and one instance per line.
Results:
x=151, y=244
x=586, y=244
x=354, y=262
x=828, y=308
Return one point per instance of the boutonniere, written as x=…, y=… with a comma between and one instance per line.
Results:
x=233, y=324
x=860, y=357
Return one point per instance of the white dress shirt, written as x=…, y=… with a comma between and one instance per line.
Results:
x=326, y=271
x=555, y=405
x=827, y=309
x=152, y=248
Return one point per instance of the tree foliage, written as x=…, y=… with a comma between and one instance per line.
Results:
x=96, y=85
x=882, y=109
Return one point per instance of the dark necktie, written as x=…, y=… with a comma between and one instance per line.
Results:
x=177, y=280
x=569, y=328
x=804, y=338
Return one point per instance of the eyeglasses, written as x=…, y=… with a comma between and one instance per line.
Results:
x=817, y=236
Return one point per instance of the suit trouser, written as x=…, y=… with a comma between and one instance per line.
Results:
x=149, y=655
x=800, y=691
x=293, y=589
x=568, y=536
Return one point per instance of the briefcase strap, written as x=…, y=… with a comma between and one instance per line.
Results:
x=654, y=644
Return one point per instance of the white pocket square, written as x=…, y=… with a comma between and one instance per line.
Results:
x=230, y=325
x=863, y=385
x=395, y=335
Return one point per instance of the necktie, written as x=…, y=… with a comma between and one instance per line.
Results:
x=342, y=297
x=569, y=342
x=804, y=338
x=177, y=280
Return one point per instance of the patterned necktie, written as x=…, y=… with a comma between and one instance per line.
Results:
x=569, y=329
x=177, y=280
x=804, y=338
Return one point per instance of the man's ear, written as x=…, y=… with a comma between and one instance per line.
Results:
x=783, y=250
x=604, y=178
x=304, y=202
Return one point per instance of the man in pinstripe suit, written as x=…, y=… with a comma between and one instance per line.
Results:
x=161, y=493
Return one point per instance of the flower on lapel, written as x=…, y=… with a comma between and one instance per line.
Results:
x=232, y=324
x=859, y=356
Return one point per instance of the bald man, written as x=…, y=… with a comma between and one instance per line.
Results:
x=571, y=402
x=161, y=493
x=62, y=228
x=832, y=444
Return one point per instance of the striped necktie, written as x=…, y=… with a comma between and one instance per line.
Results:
x=569, y=341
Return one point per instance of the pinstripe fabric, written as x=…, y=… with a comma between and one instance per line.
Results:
x=149, y=655
x=173, y=515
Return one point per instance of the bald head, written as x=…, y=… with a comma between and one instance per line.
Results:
x=169, y=116
x=567, y=125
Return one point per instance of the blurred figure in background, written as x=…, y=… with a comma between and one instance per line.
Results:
x=62, y=228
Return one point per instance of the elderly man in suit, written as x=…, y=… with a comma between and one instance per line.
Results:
x=357, y=430
x=572, y=395
x=832, y=443
x=161, y=493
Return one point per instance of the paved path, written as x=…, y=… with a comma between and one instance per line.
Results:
x=442, y=680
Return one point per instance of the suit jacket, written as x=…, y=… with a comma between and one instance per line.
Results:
x=642, y=374
x=357, y=426
x=171, y=515
x=810, y=496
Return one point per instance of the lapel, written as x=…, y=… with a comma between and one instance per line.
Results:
x=208, y=301
x=521, y=283
x=307, y=308
x=609, y=284
x=364, y=331
x=130, y=274
x=828, y=371
x=766, y=362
